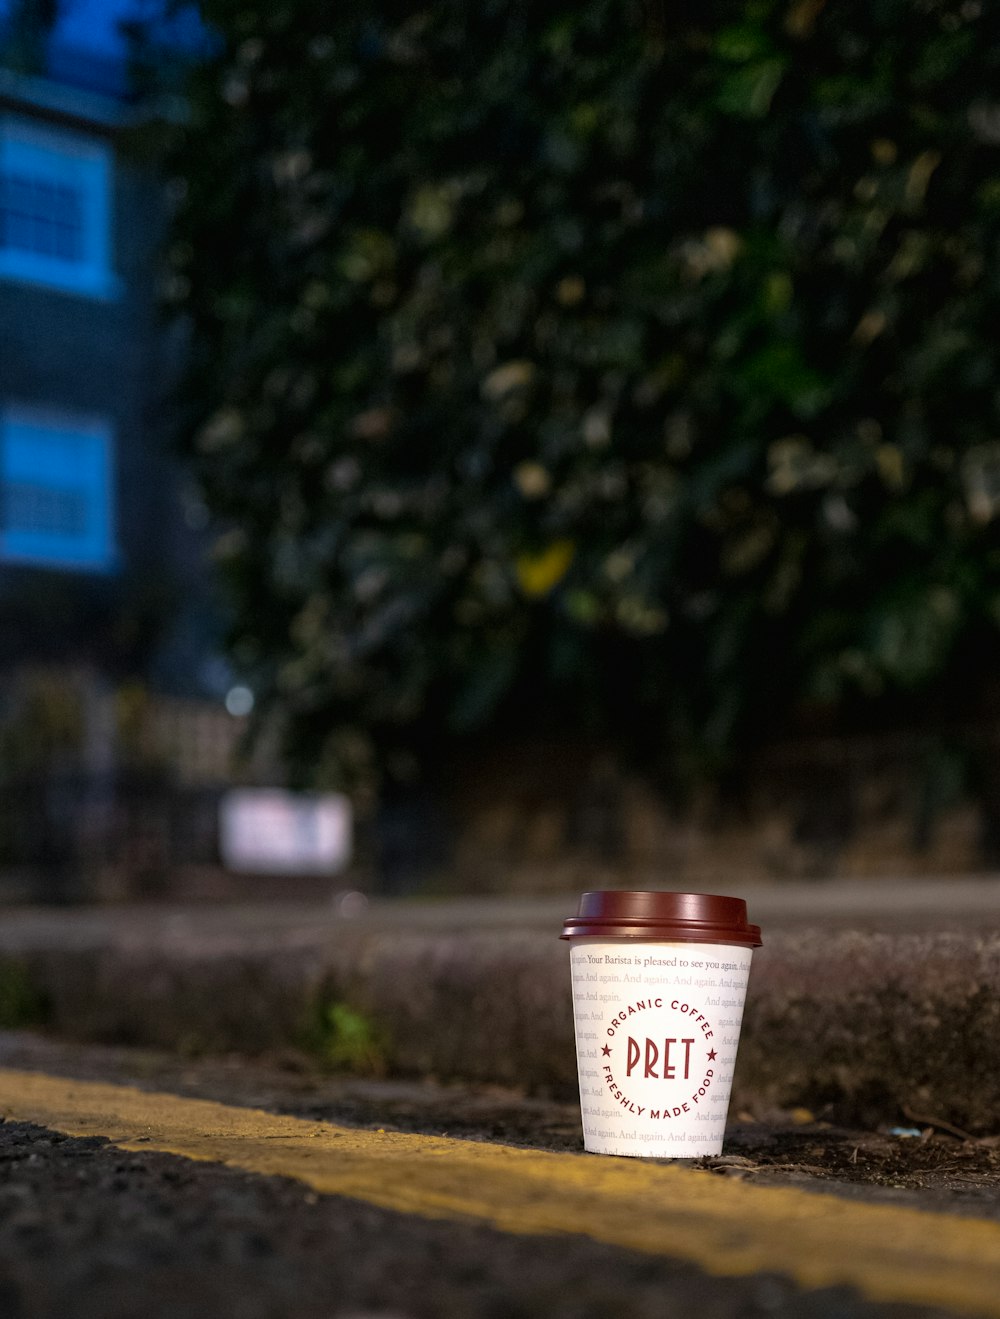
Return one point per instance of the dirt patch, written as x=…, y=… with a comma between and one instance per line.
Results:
x=935, y=1169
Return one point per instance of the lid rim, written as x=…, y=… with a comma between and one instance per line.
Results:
x=743, y=938
x=664, y=915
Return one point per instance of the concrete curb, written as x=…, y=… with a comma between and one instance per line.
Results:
x=861, y=1026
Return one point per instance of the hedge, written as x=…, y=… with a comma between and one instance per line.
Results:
x=629, y=372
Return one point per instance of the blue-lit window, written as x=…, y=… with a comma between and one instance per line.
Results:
x=56, y=492
x=55, y=208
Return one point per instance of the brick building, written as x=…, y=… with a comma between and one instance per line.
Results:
x=107, y=628
x=94, y=544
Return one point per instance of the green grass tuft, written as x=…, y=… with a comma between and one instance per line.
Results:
x=22, y=1003
x=346, y=1039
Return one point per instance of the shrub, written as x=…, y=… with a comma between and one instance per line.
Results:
x=624, y=370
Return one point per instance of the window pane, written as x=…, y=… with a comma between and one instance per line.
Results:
x=36, y=508
x=39, y=216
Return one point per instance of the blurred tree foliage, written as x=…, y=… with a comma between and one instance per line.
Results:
x=632, y=370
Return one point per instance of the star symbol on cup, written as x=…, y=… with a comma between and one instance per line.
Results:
x=606, y=1051
x=711, y=1055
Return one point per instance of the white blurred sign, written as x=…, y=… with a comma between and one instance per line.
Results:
x=266, y=830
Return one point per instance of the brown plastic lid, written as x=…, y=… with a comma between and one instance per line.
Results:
x=696, y=917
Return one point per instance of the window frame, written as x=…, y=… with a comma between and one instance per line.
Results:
x=67, y=158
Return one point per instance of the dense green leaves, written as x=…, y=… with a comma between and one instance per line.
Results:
x=632, y=371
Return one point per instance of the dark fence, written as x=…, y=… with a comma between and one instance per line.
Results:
x=72, y=836
x=112, y=792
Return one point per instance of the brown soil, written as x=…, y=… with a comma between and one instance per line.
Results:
x=939, y=1169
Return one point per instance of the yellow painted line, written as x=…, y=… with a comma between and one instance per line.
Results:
x=888, y=1253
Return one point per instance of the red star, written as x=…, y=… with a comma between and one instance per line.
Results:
x=606, y=1051
x=711, y=1055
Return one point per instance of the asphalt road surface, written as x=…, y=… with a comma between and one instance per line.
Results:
x=138, y=1185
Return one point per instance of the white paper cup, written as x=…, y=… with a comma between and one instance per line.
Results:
x=659, y=981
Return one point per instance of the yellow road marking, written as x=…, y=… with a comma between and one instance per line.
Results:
x=889, y=1253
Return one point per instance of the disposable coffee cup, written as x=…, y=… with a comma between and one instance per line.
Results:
x=659, y=982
